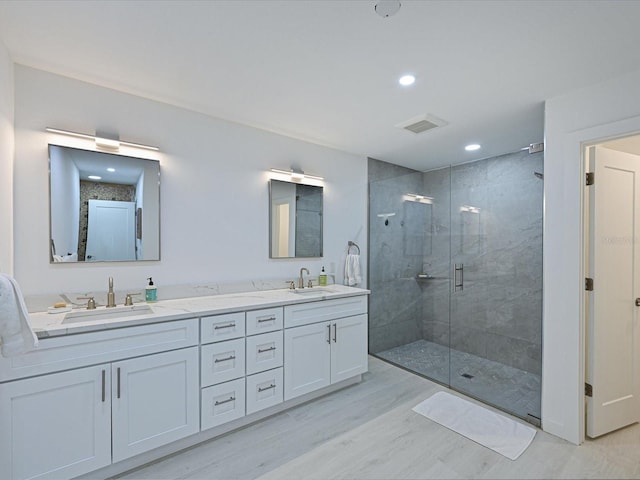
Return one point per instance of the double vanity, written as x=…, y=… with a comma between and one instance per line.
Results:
x=111, y=389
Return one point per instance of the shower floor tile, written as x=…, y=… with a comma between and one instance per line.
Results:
x=510, y=389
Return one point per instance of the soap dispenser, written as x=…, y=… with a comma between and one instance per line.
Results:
x=322, y=279
x=150, y=291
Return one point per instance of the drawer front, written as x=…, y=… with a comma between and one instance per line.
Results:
x=267, y=320
x=221, y=327
x=264, y=352
x=221, y=362
x=322, y=311
x=222, y=403
x=73, y=351
x=264, y=390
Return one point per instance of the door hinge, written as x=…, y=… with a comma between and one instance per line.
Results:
x=588, y=284
x=588, y=390
x=590, y=178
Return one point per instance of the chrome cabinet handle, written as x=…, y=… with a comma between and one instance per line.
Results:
x=262, y=350
x=230, y=399
x=329, y=334
x=220, y=327
x=118, y=382
x=104, y=379
x=260, y=389
x=267, y=319
x=230, y=357
x=637, y=302
x=335, y=333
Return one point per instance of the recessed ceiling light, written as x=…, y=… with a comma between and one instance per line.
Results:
x=407, y=80
x=111, y=169
x=94, y=177
x=472, y=147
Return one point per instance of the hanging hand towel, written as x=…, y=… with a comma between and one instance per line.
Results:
x=352, y=276
x=16, y=334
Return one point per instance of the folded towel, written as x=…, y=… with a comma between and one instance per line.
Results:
x=16, y=334
x=352, y=274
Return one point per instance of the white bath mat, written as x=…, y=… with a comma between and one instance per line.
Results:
x=492, y=430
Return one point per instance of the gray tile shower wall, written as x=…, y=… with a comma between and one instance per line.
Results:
x=485, y=215
x=395, y=305
x=496, y=234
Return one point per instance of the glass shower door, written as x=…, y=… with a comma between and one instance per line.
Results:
x=496, y=286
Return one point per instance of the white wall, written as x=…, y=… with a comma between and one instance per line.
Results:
x=587, y=115
x=214, y=191
x=6, y=161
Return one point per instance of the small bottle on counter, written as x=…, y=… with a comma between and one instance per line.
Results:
x=150, y=291
x=322, y=279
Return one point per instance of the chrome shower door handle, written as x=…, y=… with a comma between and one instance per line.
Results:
x=458, y=277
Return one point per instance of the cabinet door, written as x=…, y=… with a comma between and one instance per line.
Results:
x=56, y=426
x=307, y=365
x=348, y=347
x=155, y=400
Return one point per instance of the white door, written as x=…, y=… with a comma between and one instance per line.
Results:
x=56, y=426
x=155, y=401
x=613, y=332
x=307, y=363
x=111, y=233
x=348, y=347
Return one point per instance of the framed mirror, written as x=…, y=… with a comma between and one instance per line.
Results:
x=103, y=207
x=295, y=220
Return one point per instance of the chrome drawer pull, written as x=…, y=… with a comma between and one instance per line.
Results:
x=269, y=319
x=262, y=350
x=220, y=327
x=266, y=388
x=230, y=399
x=230, y=357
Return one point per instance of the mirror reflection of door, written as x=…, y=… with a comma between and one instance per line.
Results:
x=295, y=212
x=111, y=231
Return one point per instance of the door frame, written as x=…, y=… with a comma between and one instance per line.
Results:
x=585, y=139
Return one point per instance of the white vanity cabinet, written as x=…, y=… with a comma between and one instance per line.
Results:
x=154, y=401
x=57, y=425
x=64, y=424
x=325, y=343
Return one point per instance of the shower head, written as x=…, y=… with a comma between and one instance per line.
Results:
x=539, y=175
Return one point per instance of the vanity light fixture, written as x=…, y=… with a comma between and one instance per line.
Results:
x=106, y=143
x=296, y=175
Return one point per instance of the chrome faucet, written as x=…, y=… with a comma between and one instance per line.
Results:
x=111, y=297
x=301, y=279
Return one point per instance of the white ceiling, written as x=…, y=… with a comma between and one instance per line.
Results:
x=326, y=71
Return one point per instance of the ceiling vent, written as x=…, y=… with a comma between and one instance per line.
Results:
x=422, y=123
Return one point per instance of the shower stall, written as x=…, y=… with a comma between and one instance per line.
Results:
x=455, y=273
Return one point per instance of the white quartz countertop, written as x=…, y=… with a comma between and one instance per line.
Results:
x=47, y=325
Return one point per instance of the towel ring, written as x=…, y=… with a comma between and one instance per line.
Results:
x=352, y=244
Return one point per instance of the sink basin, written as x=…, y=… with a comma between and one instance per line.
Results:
x=103, y=313
x=312, y=291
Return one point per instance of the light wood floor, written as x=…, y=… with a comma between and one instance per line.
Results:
x=368, y=431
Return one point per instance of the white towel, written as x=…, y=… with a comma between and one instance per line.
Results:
x=352, y=274
x=16, y=334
